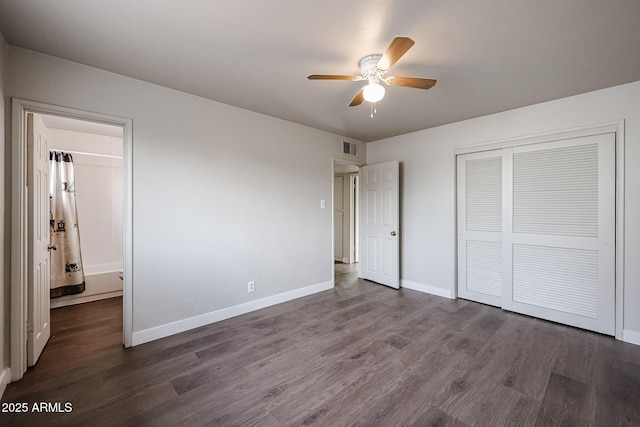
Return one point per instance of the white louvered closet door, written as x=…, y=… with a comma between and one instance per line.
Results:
x=536, y=230
x=480, y=227
x=559, y=232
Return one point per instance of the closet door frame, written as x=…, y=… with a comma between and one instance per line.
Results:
x=617, y=128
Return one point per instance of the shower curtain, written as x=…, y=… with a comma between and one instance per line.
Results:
x=67, y=274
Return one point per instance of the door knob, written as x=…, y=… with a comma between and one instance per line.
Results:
x=393, y=233
x=54, y=247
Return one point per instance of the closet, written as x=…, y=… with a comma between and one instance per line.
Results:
x=536, y=229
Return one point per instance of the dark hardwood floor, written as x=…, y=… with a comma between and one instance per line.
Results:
x=360, y=354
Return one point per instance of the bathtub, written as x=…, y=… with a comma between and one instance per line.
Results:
x=97, y=286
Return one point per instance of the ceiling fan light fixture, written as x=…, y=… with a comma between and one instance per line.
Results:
x=373, y=92
x=373, y=69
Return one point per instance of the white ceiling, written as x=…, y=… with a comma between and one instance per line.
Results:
x=75, y=125
x=488, y=56
x=339, y=168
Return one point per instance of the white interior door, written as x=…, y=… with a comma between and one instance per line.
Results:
x=381, y=223
x=38, y=316
x=537, y=230
x=480, y=227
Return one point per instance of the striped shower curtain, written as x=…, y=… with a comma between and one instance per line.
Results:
x=67, y=274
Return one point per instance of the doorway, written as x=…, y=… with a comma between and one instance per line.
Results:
x=74, y=226
x=96, y=155
x=346, y=216
x=21, y=297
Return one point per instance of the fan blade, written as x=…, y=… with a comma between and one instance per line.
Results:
x=398, y=47
x=357, y=100
x=415, y=82
x=330, y=77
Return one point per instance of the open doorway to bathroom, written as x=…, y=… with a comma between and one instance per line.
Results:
x=31, y=222
x=75, y=223
x=96, y=151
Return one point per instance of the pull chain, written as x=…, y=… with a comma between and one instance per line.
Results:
x=374, y=109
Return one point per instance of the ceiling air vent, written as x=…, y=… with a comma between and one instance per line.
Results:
x=349, y=148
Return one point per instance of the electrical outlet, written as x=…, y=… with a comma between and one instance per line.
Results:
x=251, y=286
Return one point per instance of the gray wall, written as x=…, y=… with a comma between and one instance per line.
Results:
x=214, y=202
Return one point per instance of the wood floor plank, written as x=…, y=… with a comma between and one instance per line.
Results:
x=485, y=371
x=565, y=403
x=433, y=417
x=576, y=356
x=347, y=406
x=530, y=372
x=135, y=401
x=422, y=380
x=491, y=404
x=618, y=394
x=334, y=379
x=476, y=335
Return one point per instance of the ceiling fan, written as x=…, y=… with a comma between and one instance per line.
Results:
x=373, y=69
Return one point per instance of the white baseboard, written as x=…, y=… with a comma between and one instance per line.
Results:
x=82, y=299
x=631, y=336
x=428, y=289
x=168, y=329
x=5, y=378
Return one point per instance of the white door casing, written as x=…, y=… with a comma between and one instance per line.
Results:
x=354, y=222
x=338, y=218
x=39, y=273
x=381, y=223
